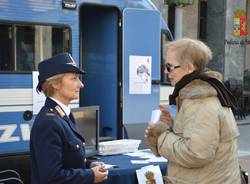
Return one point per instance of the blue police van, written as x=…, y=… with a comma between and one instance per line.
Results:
x=114, y=41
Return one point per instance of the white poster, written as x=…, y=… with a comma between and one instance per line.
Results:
x=149, y=175
x=140, y=74
x=38, y=98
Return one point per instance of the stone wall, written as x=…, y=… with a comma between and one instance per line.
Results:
x=216, y=33
x=190, y=20
x=229, y=58
x=247, y=61
x=162, y=8
x=234, y=46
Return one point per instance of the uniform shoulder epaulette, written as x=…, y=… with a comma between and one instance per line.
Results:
x=50, y=113
x=59, y=111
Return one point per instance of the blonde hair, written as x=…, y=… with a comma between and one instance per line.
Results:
x=190, y=50
x=47, y=86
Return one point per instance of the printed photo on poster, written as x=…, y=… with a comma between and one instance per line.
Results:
x=140, y=74
x=149, y=175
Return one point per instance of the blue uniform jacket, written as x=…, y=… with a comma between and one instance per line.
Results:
x=57, y=149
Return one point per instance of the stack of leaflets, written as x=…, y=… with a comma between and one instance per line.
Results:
x=118, y=146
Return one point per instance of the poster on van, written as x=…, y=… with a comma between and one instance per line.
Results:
x=140, y=68
x=38, y=97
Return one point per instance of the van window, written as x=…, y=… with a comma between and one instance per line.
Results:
x=165, y=38
x=22, y=47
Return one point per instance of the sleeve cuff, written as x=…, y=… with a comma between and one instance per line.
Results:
x=88, y=163
x=90, y=173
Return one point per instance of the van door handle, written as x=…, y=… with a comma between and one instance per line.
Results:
x=156, y=81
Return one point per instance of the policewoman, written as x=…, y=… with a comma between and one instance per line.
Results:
x=56, y=146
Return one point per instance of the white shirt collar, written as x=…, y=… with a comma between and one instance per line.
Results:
x=65, y=108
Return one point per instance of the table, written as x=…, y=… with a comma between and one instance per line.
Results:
x=125, y=171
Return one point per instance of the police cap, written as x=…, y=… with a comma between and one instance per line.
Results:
x=58, y=64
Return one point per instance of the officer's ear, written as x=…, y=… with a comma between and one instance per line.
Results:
x=56, y=85
x=56, y=81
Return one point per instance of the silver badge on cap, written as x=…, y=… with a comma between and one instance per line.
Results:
x=71, y=61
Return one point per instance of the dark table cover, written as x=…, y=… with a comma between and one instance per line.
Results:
x=124, y=171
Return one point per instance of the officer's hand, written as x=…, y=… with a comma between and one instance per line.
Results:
x=100, y=173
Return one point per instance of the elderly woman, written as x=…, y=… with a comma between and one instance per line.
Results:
x=200, y=143
x=56, y=146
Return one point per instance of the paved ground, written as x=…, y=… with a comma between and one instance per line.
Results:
x=245, y=164
x=244, y=144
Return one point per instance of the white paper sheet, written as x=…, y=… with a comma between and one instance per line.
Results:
x=108, y=166
x=157, y=159
x=139, y=162
x=155, y=116
x=136, y=154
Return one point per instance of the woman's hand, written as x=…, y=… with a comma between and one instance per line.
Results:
x=100, y=173
x=165, y=116
x=152, y=132
x=148, y=132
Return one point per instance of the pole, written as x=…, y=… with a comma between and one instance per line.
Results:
x=178, y=22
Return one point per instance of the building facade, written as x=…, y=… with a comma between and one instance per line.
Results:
x=224, y=26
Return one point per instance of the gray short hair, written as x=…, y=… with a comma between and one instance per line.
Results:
x=191, y=50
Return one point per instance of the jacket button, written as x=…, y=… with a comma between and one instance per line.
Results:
x=83, y=143
x=77, y=146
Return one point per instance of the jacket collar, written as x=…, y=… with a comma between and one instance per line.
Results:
x=65, y=108
x=199, y=89
x=53, y=106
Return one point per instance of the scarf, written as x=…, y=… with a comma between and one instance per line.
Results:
x=225, y=96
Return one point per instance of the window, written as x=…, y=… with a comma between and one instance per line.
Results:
x=203, y=20
x=165, y=38
x=6, y=57
x=171, y=18
x=60, y=40
x=22, y=47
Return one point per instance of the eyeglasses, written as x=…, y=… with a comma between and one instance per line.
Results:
x=170, y=67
